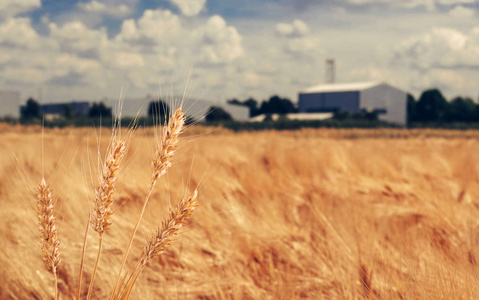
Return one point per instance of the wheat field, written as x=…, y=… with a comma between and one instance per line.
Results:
x=313, y=214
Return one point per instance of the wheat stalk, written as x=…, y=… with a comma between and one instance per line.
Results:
x=165, y=150
x=169, y=229
x=102, y=212
x=102, y=205
x=167, y=146
x=162, y=237
x=50, y=242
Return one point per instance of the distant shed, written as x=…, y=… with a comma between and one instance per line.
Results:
x=387, y=101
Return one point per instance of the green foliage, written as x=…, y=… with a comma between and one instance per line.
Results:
x=31, y=111
x=68, y=111
x=285, y=124
x=411, y=109
x=274, y=105
x=461, y=110
x=252, y=105
x=432, y=106
x=277, y=105
x=158, y=109
x=342, y=115
x=99, y=110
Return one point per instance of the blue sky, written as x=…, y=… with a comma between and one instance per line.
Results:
x=92, y=49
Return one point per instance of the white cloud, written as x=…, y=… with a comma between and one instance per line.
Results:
x=439, y=48
x=66, y=63
x=219, y=43
x=23, y=74
x=296, y=29
x=462, y=12
x=126, y=60
x=154, y=27
x=453, y=2
x=430, y=5
x=4, y=58
x=190, y=7
x=77, y=38
x=14, y=7
x=253, y=79
x=297, y=40
x=114, y=9
x=74, y=56
x=17, y=32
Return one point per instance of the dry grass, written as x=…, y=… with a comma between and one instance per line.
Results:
x=312, y=214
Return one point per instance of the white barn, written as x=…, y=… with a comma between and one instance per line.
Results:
x=387, y=101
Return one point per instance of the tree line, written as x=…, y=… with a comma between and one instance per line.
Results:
x=157, y=112
x=432, y=107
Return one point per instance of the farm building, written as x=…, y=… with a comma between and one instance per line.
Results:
x=387, y=101
x=79, y=109
x=9, y=102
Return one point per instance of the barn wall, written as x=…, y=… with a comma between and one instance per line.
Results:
x=9, y=103
x=388, y=98
x=328, y=102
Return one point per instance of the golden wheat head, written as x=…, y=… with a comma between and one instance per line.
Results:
x=102, y=205
x=167, y=145
x=50, y=242
x=169, y=229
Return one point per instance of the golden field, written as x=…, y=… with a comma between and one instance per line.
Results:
x=314, y=214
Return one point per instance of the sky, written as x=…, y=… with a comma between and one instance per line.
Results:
x=62, y=50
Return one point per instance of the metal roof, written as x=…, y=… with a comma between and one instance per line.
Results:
x=340, y=87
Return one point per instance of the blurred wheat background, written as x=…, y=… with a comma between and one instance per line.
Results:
x=333, y=214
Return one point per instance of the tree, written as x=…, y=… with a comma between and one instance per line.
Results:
x=461, y=110
x=216, y=113
x=432, y=106
x=341, y=115
x=253, y=106
x=99, y=110
x=31, y=110
x=277, y=105
x=251, y=103
x=411, y=109
x=67, y=111
x=234, y=102
x=158, y=109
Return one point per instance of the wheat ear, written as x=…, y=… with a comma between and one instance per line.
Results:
x=162, y=237
x=165, y=150
x=169, y=229
x=50, y=242
x=102, y=205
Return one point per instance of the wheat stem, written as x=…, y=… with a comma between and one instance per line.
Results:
x=90, y=288
x=83, y=256
x=56, y=283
